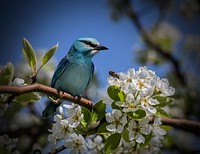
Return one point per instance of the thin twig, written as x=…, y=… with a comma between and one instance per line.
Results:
x=10, y=98
x=57, y=150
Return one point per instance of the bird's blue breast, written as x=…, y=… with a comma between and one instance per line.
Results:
x=75, y=77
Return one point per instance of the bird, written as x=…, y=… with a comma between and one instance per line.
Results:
x=75, y=71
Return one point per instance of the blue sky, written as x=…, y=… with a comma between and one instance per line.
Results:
x=44, y=23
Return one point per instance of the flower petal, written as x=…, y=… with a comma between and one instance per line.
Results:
x=139, y=138
x=116, y=113
x=111, y=128
x=109, y=118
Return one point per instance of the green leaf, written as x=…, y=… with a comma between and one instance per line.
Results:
x=125, y=135
x=114, y=106
x=112, y=143
x=161, y=112
x=147, y=140
x=160, y=98
x=139, y=114
x=27, y=98
x=6, y=74
x=16, y=107
x=29, y=55
x=115, y=93
x=102, y=128
x=98, y=111
x=86, y=116
x=164, y=101
x=49, y=54
x=169, y=141
x=166, y=128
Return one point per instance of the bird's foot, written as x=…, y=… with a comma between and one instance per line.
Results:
x=77, y=97
x=55, y=101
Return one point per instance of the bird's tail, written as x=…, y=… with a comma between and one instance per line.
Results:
x=50, y=109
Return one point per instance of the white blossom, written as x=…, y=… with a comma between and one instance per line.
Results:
x=156, y=140
x=153, y=148
x=60, y=130
x=19, y=82
x=147, y=103
x=140, y=88
x=127, y=85
x=123, y=81
x=76, y=143
x=117, y=120
x=125, y=147
x=137, y=129
x=144, y=73
x=130, y=105
x=74, y=116
x=57, y=118
x=96, y=144
x=113, y=81
x=70, y=106
x=155, y=145
x=162, y=85
x=52, y=139
x=157, y=130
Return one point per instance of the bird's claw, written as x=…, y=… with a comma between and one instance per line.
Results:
x=77, y=98
x=55, y=101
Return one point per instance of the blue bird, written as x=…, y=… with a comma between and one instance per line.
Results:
x=75, y=70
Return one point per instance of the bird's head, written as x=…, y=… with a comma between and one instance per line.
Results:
x=87, y=47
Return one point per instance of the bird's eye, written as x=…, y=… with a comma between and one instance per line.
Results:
x=89, y=43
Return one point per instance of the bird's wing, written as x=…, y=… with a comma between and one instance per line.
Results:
x=91, y=73
x=59, y=70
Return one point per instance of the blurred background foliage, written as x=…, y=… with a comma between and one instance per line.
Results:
x=163, y=44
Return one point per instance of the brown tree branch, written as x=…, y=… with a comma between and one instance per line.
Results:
x=18, y=90
x=186, y=125
x=183, y=124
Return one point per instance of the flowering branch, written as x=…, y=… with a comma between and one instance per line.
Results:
x=182, y=124
x=138, y=96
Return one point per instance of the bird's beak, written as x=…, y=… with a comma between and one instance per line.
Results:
x=100, y=47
